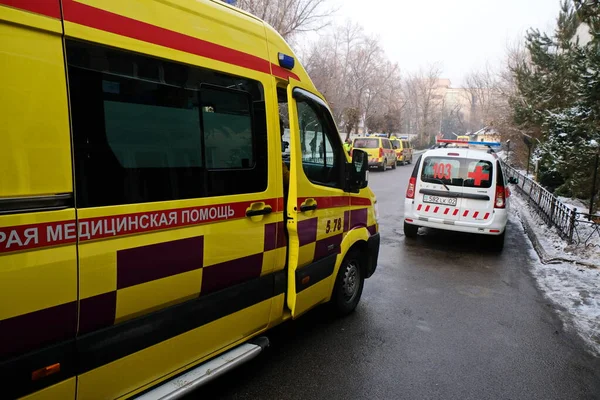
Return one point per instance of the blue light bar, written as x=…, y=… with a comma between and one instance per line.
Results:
x=497, y=144
x=286, y=61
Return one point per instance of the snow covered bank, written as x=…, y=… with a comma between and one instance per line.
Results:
x=574, y=288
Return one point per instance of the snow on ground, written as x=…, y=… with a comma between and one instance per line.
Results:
x=553, y=244
x=575, y=289
x=573, y=203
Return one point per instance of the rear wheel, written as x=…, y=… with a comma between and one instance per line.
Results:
x=349, y=284
x=497, y=242
x=383, y=166
x=410, y=231
x=394, y=164
x=409, y=161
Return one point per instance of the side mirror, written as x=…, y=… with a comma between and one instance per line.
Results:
x=358, y=171
x=284, y=145
x=513, y=180
x=395, y=147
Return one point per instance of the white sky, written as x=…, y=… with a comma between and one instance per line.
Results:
x=461, y=34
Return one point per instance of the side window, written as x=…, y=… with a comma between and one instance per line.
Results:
x=227, y=127
x=147, y=130
x=321, y=160
x=386, y=144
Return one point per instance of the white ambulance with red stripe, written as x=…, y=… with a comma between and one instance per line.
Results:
x=458, y=189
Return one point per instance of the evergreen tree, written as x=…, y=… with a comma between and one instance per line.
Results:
x=558, y=98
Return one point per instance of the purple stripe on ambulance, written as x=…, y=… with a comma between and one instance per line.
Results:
x=274, y=236
x=327, y=246
x=147, y=263
x=358, y=218
x=97, y=312
x=270, y=240
x=307, y=231
x=229, y=273
x=346, y=221
x=40, y=328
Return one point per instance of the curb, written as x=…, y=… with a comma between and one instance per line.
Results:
x=545, y=258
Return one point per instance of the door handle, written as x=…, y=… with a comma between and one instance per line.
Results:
x=263, y=211
x=308, y=205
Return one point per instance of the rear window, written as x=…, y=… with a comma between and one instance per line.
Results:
x=395, y=143
x=467, y=172
x=366, y=143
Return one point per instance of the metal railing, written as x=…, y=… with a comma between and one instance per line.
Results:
x=578, y=228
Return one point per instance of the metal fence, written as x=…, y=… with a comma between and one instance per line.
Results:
x=576, y=227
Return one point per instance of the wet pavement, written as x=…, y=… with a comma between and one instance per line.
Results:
x=442, y=318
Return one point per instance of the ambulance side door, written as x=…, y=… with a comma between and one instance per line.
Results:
x=317, y=202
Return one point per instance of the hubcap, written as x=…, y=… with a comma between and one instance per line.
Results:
x=350, y=282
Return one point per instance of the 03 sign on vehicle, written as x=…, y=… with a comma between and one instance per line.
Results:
x=442, y=171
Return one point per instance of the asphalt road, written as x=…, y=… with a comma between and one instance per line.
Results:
x=442, y=318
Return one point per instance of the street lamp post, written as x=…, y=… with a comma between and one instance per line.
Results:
x=507, y=150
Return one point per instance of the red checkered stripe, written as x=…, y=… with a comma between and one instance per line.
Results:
x=441, y=211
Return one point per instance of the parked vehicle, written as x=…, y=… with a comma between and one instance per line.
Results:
x=458, y=189
x=404, y=150
x=380, y=151
x=146, y=233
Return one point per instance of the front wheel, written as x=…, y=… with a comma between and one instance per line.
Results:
x=349, y=284
x=394, y=164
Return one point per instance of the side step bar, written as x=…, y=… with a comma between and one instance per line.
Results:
x=182, y=385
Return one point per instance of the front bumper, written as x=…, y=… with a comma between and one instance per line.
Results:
x=373, y=249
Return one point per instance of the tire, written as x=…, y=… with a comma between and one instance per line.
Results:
x=497, y=242
x=349, y=284
x=409, y=161
x=383, y=166
x=394, y=164
x=410, y=231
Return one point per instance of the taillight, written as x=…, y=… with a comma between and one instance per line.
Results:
x=380, y=152
x=410, y=191
x=499, y=202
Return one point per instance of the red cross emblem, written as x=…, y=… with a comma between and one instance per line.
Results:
x=478, y=175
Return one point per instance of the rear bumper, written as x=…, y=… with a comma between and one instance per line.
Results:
x=376, y=162
x=495, y=226
x=373, y=249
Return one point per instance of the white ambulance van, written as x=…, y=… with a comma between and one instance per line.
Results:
x=458, y=189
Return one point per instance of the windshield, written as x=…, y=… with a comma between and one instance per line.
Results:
x=366, y=143
x=467, y=172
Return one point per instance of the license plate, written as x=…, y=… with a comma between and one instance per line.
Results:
x=447, y=201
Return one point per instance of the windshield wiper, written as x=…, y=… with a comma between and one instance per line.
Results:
x=442, y=182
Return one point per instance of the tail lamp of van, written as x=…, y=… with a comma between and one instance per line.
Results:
x=500, y=200
x=410, y=191
x=380, y=152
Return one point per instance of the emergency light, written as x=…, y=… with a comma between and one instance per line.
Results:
x=286, y=61
x=496, y=144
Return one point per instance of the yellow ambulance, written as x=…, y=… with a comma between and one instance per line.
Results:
x=150, y=229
